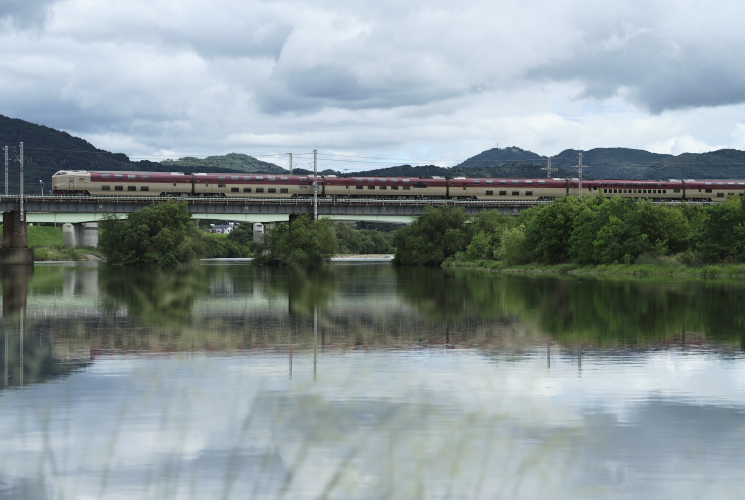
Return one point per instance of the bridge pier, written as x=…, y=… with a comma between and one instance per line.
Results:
x=15, y=248
x=80, y=235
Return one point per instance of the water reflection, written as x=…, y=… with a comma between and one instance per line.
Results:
x=367, y=381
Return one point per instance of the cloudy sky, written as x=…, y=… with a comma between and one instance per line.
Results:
x=420, y=81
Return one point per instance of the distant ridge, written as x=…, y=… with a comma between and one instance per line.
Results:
x=48, y=150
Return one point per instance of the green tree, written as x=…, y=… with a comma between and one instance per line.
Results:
x=432, y=237
x=513, y=249
x=720, y=232
x=548, y=228
x=303, y=243
x=161, y=234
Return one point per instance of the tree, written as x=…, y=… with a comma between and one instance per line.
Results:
x=433, y=237
x=548, y=228
x=161, y=234
x=303, y=242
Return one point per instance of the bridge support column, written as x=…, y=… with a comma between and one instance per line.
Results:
x=258, y=231
x=15, y=248
x=80, y=235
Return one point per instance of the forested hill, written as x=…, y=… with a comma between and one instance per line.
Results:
x=47, y=150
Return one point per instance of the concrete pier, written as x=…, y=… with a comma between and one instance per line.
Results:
x=15, y=248
x=80, y=235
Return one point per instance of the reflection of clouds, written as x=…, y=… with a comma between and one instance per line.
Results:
x=398, y=424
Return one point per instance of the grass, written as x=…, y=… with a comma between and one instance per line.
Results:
x=48, y=244
x=663, y=266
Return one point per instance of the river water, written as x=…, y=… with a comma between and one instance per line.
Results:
x=365, y=381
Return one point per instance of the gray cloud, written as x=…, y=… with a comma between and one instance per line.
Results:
x=655, y=73
x=26, y=13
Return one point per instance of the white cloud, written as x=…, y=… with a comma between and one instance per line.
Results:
x=387, y=79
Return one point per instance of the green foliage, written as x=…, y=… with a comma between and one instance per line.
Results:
x=433, y=237
x=514, y=247
x=162, y=234
x=548, y=229
x=362, y=241
x=304, y=243
x=719, y=232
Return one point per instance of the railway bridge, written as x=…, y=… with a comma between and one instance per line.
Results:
x=82, y=213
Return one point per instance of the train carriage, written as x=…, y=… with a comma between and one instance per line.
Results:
x=713, y=190
x=253, y=186
x=463, y=188
x=385, y=187
x=99, y=183
x=640, y=190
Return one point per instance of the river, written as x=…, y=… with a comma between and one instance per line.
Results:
x=365, y=381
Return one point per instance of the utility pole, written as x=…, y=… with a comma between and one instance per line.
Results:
x=315, y=185
x=20, y=196
x=290, y=155
x=580, y=170
x=549, y=169
x=6, y=170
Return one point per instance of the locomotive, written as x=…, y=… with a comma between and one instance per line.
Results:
x=83, y=182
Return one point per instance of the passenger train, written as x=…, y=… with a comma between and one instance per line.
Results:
x=83, y=182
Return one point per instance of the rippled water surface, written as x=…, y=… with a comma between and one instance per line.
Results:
x=366, y=381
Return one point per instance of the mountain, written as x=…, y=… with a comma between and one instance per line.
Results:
x=233, y=162
x=47, y=150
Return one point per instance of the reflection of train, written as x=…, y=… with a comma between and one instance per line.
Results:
x=332, y=187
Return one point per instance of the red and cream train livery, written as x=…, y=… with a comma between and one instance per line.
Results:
x=81, y=182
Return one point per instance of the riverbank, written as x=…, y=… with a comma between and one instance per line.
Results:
x=668, y=269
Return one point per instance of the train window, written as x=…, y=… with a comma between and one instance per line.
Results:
x=247, y=178
x=222, y=185
x=676, y=190
x=420, y=184
x=144, y=188
x=720, y=183
x=303, y=179
x=383, y=187
x=235, y=190
x=221, y=177
x=259, y=190
x=118, y=188
x=406, y=180
x=708, y=183
x=528, y=193
x=272, y=190
x=131, y=188
x=490, y=193
x=235, y=177
x=489, y=181
x=261, y=178
x=131, y=176
x=516, y=193
x=359, y=180
x=393, y=179
x=272, y=179
x=503, y=181
x=119, y=176
x=528, y=182
x=708, y=190
x=246, y=190
x=283, y=178
x=370, y=179
x=283, y=190
x=145, y=176
x=303, y=186
x=370, y=187
x=477, y=181
x=503, y=193
x=720, y=195
x=105, y=188
x=105, y=176
x=730, y=183
x=515, y=181
x=544, y=182
x=407, y=188
x=360, y=187
x=605, y=190
x=394, y=188
x=382, y=179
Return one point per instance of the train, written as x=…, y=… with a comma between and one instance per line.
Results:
x=232, y=185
